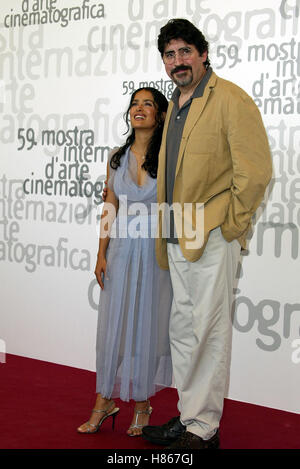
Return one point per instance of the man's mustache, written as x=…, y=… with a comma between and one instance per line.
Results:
x=180, y=68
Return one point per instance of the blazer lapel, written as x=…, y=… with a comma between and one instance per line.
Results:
x=161, y=173
x=196, y=109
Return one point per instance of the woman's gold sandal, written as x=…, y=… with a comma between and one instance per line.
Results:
x=135, y=424
x=92, y=428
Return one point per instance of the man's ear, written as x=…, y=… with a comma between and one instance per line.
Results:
x=204, y=56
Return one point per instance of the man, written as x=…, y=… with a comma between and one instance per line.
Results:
x=214, y=152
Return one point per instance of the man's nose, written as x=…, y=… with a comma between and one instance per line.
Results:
x=178, y=60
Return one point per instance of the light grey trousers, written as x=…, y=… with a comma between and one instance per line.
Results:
x=200, y=330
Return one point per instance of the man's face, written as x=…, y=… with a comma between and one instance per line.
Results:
x=183, y=63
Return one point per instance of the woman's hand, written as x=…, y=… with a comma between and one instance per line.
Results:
x=100, y=270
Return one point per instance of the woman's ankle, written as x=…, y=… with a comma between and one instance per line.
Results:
x=103, y=401
x=142, y=404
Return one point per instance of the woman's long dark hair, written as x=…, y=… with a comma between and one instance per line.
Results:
x=151, y=158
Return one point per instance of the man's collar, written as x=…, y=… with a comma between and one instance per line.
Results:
x=199, y=90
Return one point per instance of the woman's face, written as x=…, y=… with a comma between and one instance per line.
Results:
x=143, y=111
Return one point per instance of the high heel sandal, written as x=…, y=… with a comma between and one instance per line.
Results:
x=135, y=424
x=106, y=413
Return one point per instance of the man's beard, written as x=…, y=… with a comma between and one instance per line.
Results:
x=185, y=81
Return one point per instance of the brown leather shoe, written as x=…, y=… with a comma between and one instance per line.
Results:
x=189, y=440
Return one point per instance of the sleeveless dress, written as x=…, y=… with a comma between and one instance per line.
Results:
x=133, y=358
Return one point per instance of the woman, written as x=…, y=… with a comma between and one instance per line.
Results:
x=133, y=355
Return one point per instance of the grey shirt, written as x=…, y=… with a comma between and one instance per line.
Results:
x=174, y=134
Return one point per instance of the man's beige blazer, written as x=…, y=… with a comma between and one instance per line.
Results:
x=224, y=162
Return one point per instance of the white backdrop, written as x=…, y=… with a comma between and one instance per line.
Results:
x=68, y=66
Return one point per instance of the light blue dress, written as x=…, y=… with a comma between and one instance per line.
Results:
x=133, y=353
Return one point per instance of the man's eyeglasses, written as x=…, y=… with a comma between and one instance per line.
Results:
x=183, y=53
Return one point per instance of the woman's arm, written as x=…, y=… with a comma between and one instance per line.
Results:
x=109, y=213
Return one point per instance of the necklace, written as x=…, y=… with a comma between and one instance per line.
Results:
x=143, y=157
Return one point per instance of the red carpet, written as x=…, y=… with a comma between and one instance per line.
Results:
x=41, y=405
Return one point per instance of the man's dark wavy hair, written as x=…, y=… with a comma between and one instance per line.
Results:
x=178, y=28
x=151, y=157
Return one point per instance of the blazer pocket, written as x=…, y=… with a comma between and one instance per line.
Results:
x=197, y=169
